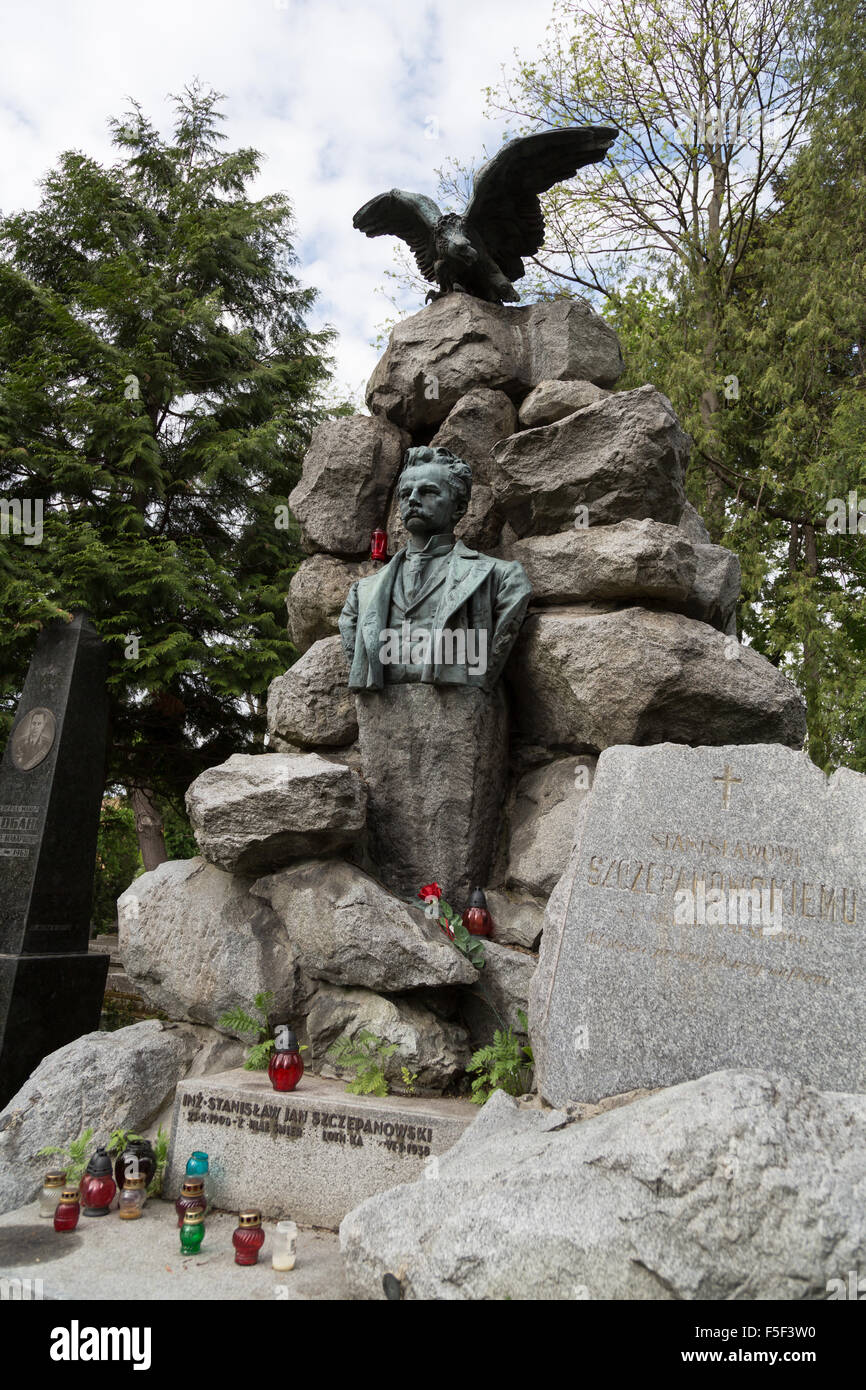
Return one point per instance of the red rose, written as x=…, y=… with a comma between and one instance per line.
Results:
x=430, y=890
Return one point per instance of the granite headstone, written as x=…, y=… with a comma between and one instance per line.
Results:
x=711, y=916
x=51, y=784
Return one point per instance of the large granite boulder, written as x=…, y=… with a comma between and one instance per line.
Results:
x=317, y=593
x=692, y=525
x=347, y=476
x=623, y=457
x=459, y=343
x=101, y=1081
x=553, y=400
x=501, y=992
x=741, y=1185
x=587, y=677
x=434, y=761
x=311, y=706
x=518, y=918
x=716, y=588
x=347, y=929
x=256, y=812
x=630, y=559
x=434, y=1047
x=195, y=943
x=541, y=824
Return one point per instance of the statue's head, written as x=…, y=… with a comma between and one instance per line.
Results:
x=451, y=240
x=433, y=490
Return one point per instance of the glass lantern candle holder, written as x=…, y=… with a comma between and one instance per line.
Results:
x=286, y=1066
x=133, y=1195
x=98, y=1186
x=68, y=1210
x=285, y=1246
x=198, y=1166
x=52, y=1187
x=476, y=918
x=137, y=1160
x=248, y=1238
x=379, y=545
x=192, y=1198
x=192, y=1232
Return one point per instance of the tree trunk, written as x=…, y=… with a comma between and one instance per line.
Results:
x=148, y=827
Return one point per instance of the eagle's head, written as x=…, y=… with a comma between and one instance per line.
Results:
x=452, y=242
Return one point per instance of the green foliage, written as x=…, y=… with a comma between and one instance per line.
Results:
x=158, y=387
x=119, y=1011
x=253, y=1022
x=74, y=1155
x=409, y=1078
x=471, y=946
x=505, y=1064
x=118, y=860
x=160, y=1149
x=365, y=1055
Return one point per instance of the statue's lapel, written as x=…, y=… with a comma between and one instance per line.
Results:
x=377, y=602
x=466, y=572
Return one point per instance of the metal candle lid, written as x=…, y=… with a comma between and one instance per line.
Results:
x=193, y=1218
x=250, y=1218
x=55, y=1179
x=100, y=1165
x=192, y=1187
x=70, y=1194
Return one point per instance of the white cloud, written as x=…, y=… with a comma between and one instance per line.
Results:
x=341, y=97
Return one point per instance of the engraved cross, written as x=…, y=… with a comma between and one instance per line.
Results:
x=727, y=779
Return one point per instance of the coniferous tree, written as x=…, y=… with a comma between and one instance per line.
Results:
x=158, y=383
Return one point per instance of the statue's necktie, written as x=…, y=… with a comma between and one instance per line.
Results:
x=412, y=574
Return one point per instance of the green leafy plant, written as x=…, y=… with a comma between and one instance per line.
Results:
x=365, y=1055
x=240, y=1020
x=74, y=1155
x=118, y=1140
x=409, y=1079
x=504, y=1065
x=160, y=1149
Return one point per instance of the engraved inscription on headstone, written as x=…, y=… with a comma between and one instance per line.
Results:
x=711, y=916
x=313, y=1154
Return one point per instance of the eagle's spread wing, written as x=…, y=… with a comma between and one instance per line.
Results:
x=410, y=216
x=505, y=210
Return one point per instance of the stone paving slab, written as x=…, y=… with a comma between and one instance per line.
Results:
x=110, y=1259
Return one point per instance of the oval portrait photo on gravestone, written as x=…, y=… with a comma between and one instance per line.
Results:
x=33, y=740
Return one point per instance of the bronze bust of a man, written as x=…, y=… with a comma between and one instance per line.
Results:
x=439, y=612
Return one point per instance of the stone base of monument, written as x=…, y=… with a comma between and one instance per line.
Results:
x=309, y=1155
x=45, y=1002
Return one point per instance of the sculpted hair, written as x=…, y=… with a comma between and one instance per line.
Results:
x=459, y=473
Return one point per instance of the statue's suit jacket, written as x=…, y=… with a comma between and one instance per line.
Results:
x=476, y=591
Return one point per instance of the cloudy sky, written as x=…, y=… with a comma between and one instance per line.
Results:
x=346, y=98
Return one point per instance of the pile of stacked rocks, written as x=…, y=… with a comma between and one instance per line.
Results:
x=630, y=638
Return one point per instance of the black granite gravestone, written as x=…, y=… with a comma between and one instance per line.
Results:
x=51, y=783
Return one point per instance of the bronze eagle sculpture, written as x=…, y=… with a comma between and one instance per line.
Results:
x=481, y=250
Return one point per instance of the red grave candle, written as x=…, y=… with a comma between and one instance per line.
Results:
x=286, y=1066
x=248, y=1238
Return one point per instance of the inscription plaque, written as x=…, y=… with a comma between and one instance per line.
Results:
x=712, y=915
x=312, y=1154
